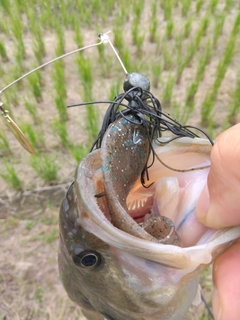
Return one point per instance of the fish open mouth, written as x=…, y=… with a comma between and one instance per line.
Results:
x=165, y=210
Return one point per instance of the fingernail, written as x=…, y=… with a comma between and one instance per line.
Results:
x=203, y=205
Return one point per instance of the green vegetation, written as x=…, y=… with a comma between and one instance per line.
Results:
x=46, y=167
x=9, y=174
x=188, y=49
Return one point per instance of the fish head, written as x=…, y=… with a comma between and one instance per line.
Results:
x=131, y=252
x=108, y=282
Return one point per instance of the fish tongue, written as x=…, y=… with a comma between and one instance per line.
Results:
x=124, y=153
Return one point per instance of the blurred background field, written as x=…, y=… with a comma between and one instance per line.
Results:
x=190, y=51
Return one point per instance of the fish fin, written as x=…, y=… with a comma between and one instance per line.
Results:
x=197, y=300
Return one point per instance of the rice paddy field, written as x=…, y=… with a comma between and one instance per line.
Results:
x=189, y=50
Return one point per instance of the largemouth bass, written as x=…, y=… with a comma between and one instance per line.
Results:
x=130, y=245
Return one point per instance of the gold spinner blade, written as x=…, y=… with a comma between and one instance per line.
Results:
x=19, y=135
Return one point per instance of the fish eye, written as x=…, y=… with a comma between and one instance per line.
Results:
x=87, y=259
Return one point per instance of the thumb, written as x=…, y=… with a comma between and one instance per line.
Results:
x=219, y=203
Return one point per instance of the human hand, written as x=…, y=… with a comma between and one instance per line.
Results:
x=219, y=207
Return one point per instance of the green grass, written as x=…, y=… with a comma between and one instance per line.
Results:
x=4, y=144
x=10, y=175
x=35, y=137
x=46, y=167
x=35, y=83
x=235, y=103
x=222, y=68
x=3, y=52
x=186, y=48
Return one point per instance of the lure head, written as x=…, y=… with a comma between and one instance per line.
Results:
x=135, y=79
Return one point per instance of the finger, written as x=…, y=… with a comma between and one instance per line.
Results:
x=219, y=203
x=226, y=278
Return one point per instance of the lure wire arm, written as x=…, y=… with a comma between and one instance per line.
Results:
x=11, y=124
x=103, y=38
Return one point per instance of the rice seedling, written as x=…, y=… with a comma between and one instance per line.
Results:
x=78, y=151
x=46, y=17
x=10, y=175
x=114, y=90
x=38, y=45
x=35, y=136
x=3, y=28
x=60, y=48
x=59, y=128
x=192, y=48
x=4, y=144
x=11, y=98
x=124, y=11
x=176, y=111
x=85, y=72
x=118, y=37
x=167, y=8
x=137, y=36
x=235, y=103
x=203, y=61
x=169, y=29
x=185, y=7
x=138, y=9
x=3, y=52
x=222, y=67
x=228, y=5
x=78, y=36
x=32, y=109
x=199, y=4
x=126, y=57
x=60, y=90
x=206, y=108
x=101, y=53
x=35, y=82
x=191, y=91
x=187, y=27
x=156, y=72
x=168, y=90
x=218, y=27
x=46, y=168
x=178, y=45
x=212, y=6
x=167, y=58
x=153, y=22
x=189, y=100
x=6, y=5
x=64, y=13
x=17, y=30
